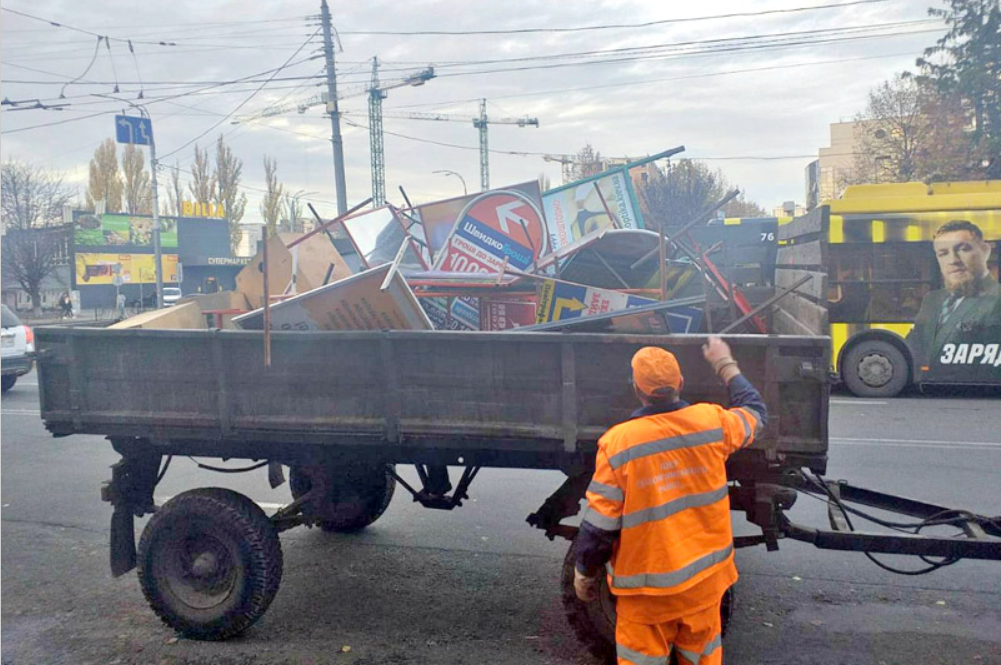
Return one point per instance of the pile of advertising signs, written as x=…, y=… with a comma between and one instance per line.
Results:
x=576, y=257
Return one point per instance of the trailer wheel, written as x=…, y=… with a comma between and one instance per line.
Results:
x=357, y=495
x=7, y=382
x=210, y=563
x=875, y=368
x=594, y=622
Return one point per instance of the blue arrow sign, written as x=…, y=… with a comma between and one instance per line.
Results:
x=129, y=129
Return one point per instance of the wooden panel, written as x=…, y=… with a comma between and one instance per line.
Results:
x=795, y=315
x=813, y=223
x=806, y=255
x=815, y=289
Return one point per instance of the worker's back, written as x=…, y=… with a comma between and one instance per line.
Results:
x=675, y=512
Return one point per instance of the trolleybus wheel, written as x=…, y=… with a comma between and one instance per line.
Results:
x=210, y=563
x=875, y=368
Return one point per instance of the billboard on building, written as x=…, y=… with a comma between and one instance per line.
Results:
x=100, y=268
x=115, y=230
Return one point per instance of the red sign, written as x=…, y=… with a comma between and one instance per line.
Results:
x=494, y=227
x=504, y=315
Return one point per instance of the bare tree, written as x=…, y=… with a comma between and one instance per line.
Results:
x=228, y=170
x=908, y=132
x=137, y=192
x=105, y=183
x=587, y=162
x=36, y=241
x=674, y=196
x=271, y=204
x=741, y=207
x=202, y=185
x=175, y=192
x=291, y=212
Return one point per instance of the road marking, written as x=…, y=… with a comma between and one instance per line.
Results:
x=915, y=443
x=19, y=412
x=160, y=500
x=859, y=402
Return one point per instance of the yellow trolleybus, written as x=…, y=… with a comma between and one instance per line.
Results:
x=912, y=284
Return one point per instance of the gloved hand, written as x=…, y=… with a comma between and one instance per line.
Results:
x=717, y=353
x=586, y=587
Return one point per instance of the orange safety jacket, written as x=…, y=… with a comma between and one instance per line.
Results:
x=660, y=485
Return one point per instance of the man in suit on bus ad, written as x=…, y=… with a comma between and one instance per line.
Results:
x=957, y=332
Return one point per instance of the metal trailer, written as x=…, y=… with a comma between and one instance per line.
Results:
x=342, y=409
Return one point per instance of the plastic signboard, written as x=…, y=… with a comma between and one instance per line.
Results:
x=506, y=314
x=94, y=268
x=377, y=235
x=438, y=219
x=559, y=301
x=353, y=303
x=497, y=229
x=577, y=209
x=462, y=314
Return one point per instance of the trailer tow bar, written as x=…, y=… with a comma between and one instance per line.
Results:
x=431, y=497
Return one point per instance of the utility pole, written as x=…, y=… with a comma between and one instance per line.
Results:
x=376, y=145
x=481, y=124
x=157, y=247
x=333, y=110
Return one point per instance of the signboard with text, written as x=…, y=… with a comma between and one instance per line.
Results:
x=559, y=301
x=575, y=210
x=93, y=268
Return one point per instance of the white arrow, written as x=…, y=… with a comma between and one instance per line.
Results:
x=505, y=214
x=142, y=131
x=125, y=123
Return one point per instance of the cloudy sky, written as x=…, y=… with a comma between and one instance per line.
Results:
x=734, y=90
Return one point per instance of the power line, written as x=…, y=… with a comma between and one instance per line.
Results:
x=56, y=24
x=200, y=24
x=614, y=26
x=51, y=124
x=245, y=101
x=588, y=88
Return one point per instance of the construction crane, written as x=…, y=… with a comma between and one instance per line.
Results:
x=377, y=93
x=480, y=123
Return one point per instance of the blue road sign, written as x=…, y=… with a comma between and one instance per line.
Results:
x=129, y=129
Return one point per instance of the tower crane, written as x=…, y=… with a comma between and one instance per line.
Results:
x=480, y=122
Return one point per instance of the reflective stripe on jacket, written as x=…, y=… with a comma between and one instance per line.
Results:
x=660, y=480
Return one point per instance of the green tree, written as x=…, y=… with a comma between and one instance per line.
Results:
x=228, y=170
x=104, y=181
x=966, y=62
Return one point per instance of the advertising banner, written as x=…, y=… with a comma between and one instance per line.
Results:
x=464, y=313
x=439, y=218
x=377, y=235
x=506, y=315
x=956, y=336
x=559, y=301
x=496, y=228
x=353, y=303
x=572, y=211
x=94, y=269
x=110, y=230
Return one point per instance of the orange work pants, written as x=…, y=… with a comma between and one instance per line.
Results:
x=696, y=638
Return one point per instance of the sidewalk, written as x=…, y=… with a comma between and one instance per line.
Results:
x=85, y=315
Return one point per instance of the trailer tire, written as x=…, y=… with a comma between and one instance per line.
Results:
x=210, y=563
x=875, y=368
x=357, y=495
x=594, y=622
x=7, y=382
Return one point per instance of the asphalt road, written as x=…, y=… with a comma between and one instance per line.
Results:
x=478, y=585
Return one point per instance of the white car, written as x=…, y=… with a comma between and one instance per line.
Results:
x=171, y=294
x=17, y=348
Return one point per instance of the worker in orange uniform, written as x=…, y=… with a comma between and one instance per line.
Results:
x=658, y=512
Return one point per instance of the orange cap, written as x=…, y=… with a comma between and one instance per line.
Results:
x=656, y=371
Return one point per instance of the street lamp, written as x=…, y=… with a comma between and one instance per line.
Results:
x=457, y=175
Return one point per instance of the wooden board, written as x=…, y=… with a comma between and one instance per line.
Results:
x=805, y=255
x=185, y=316
x=815, y=289
x=794, y=315
x=315, y=257
x=813, y=223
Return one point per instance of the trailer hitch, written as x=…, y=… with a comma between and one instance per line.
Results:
x=435, y=486
x=130, y=492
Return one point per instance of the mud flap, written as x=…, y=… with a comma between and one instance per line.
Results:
x=123, y=541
